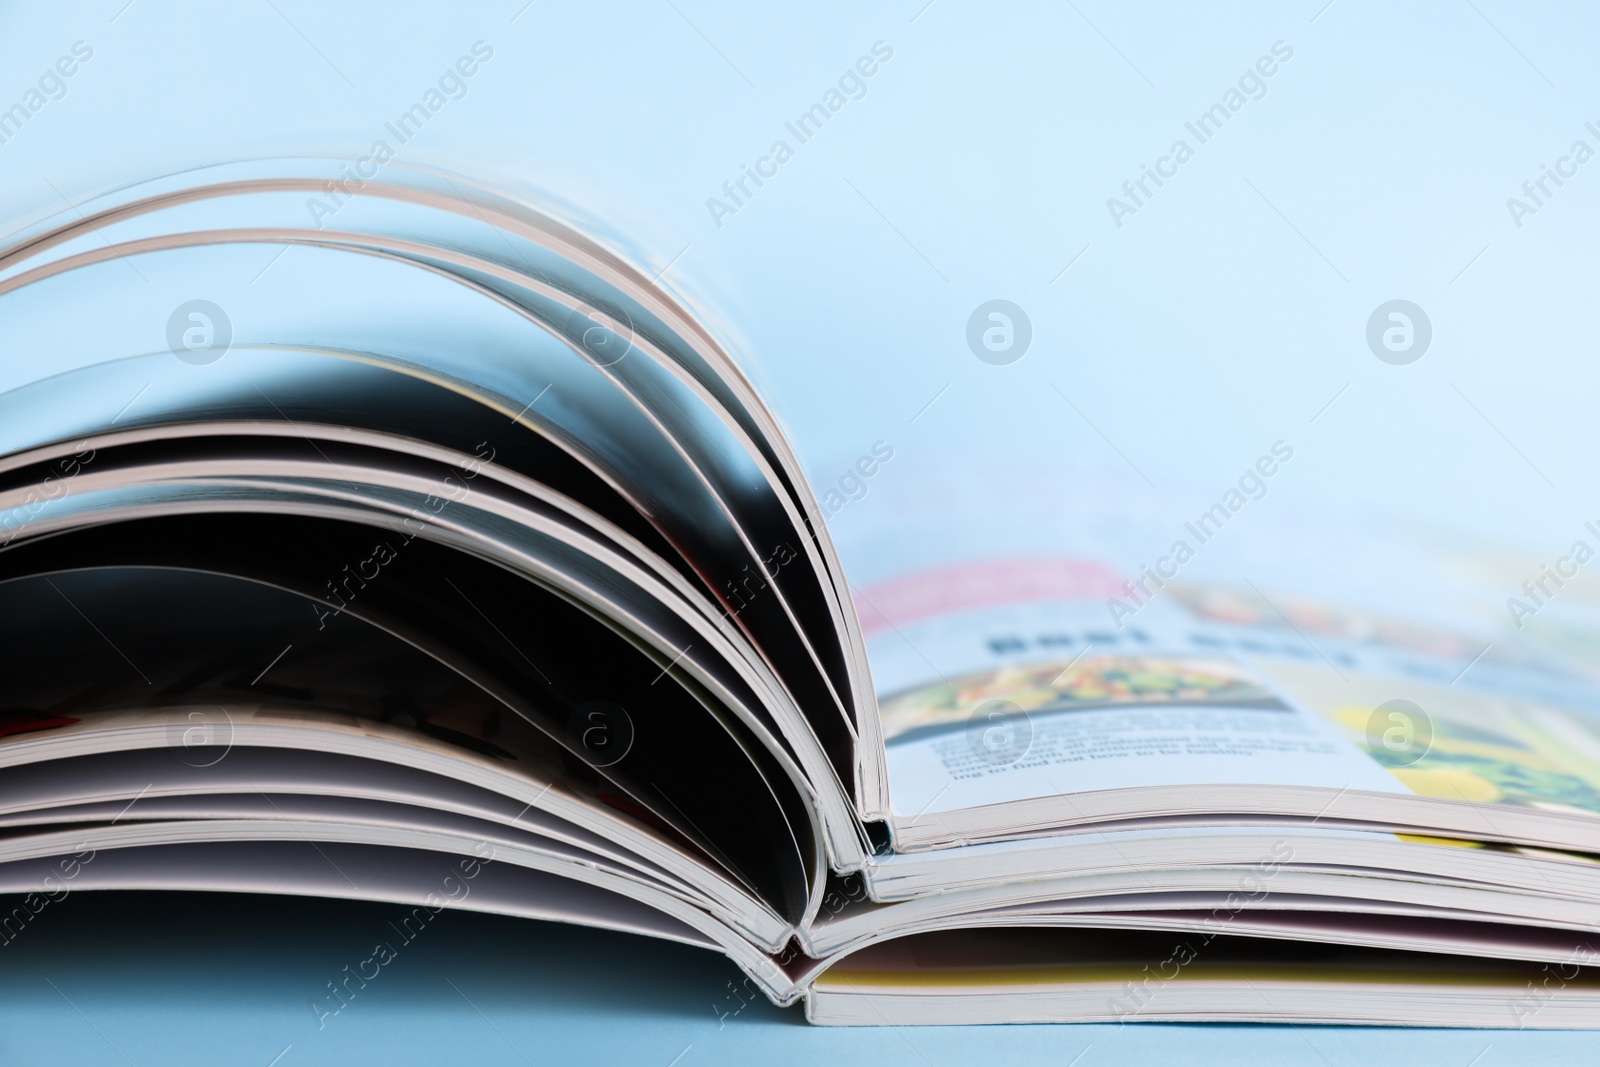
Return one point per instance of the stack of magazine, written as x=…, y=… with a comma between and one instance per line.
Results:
x=450, y=560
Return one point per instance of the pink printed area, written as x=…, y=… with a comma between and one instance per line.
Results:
x=981, y=584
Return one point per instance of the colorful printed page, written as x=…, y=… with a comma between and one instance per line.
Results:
x=1006, y=680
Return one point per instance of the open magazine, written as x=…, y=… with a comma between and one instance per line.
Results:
x=456, y=563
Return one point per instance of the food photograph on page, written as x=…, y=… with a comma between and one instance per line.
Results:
x=667, y=532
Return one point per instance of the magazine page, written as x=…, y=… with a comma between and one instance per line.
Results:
x=1003, y=721
x=1008, y=672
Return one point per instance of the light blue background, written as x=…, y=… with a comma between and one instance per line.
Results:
x=214, y=979
x=1223, y=316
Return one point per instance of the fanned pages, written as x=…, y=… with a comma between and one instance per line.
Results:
x=453, y=561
